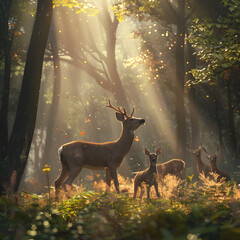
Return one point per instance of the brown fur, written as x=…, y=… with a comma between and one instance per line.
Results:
x=148, y=176
x=201, y=166
x=109, y=155
x=213, y=162
x=173, y=167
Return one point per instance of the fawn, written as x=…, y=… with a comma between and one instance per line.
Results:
x=201, y=166
x=148, y=176
x=213, y=162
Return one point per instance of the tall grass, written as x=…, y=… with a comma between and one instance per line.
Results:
x=206, y=209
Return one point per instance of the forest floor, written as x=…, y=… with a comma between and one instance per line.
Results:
x=186, y=210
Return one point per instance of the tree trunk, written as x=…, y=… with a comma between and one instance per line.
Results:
x=53, y=113
x=192, y=106
x=179, y=88
x=110, y=27
x=5, y=103
x=5, y=85
x=231, y=126
x=110, y=80
x=219, y=124
x=23, y=129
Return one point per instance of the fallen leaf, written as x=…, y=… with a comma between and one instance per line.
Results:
x=137, y=139
x=82, y=132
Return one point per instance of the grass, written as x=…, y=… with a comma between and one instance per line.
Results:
x=186, y=210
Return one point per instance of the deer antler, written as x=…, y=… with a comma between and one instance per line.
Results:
x=132, y=113
x=192, y=150
x=117, y=109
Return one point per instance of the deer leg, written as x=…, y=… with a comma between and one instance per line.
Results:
x=148, y=191
x=72, y=175
x=136, y=185
x=156, y=189
x=108, y=178
x=142, y=191
x=113, y=174
x=61, y=178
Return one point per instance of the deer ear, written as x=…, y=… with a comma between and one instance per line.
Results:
x=147, y=152
x=206, y=153
x=159, y=150
x=119, y=116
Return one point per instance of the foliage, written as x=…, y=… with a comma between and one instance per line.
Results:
x=80, y=6
x=218, y=43
x=143, y=10
x=197, y=210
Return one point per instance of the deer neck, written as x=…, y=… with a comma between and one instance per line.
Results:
x=152, y=168
x=199, y=161
x=214, y=167
x=124, y=142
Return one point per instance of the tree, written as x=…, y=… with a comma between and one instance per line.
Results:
x=173, y=14
x=55, y=96
x=6, y=44
x=14, y=162
x=97, y=59
x=218, y=43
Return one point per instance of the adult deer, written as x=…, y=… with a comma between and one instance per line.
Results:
x=201, y=166
x=148, y=176
x=109, y=155
x=213, y=162
x=173, y=167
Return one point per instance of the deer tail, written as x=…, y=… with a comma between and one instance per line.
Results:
x=183, y=164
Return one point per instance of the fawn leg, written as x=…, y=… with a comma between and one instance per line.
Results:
x=156, y=189
x=135, y=191
x=142, y=191
x=148, y=191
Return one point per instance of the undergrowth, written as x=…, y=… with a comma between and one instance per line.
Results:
x=186, y=210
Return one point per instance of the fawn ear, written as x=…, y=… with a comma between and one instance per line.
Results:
x=119, y=116
x=147, y=152
x=159, y=150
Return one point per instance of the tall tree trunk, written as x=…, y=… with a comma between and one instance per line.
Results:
x=110, y=79
x=5, y=82
x=53, y=113
x=5, y=103
x=231, y=126
x=220, y=132
x=179, y=87
x=110, y=27
x=192, y=106
x=23, y=129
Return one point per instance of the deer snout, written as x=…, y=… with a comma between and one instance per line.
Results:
x=142, y=121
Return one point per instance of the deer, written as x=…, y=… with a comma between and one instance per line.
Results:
x=98, y=156
x=201, y=166
x=173, y=167
x=148, y=176
x=213, y=162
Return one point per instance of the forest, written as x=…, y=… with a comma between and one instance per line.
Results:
x=96, y=96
